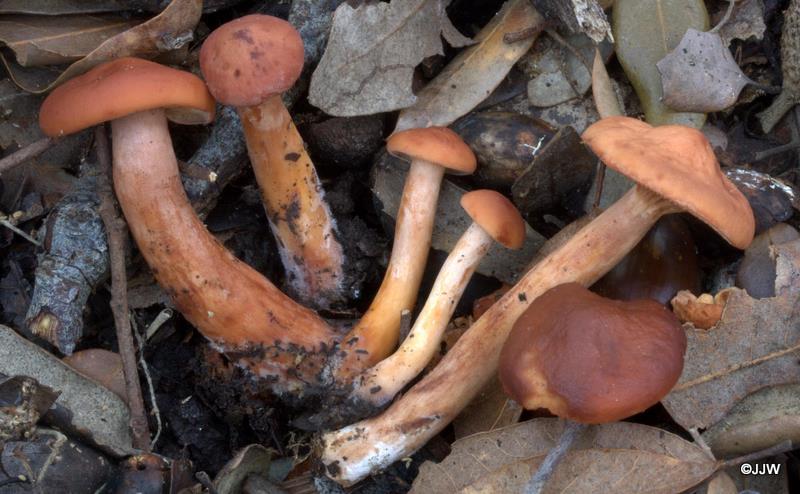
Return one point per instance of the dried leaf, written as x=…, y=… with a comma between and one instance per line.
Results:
x=645, y=31
x=756, y=344
x=579, y=16
x=39, y=40
x=66, y=7
x=472, y=75
x=605, y=97
x=251, y=459
x=700, y=74
x=372, y=51
x=559, y=72
x=747, y=21
x=169, y=30
x=722, y=483
x=490, y=410
x=763, y=419
x=649, y=459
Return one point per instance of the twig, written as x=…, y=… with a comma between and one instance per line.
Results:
x=160, y=319
x=779, y=448
x=116, y=230
x=30, y=151
x=566, y=44
x=19, y=232
x=554, y=457
x=527, y=33
x=699, y=441
x=600, y=179
x=725, y=18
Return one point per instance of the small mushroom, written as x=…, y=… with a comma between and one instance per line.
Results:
x=494, y=219
x=676, y=170
x=591, y=359
x=248, y=63
x=431, y=151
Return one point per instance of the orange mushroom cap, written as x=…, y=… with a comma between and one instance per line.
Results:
x=496, y=215
x=678, y=163
x=592, y=359
x=121, y=87
x=438, y=145
x=251, y=58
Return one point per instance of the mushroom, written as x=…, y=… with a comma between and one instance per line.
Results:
x=248, y=63
x=230, y=303
x=676, y=170
x=494, y=218
x=591, y=359
x=431, y=151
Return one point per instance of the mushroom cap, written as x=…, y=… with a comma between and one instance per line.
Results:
x=678, y=163
x=247, y=60
x=496, y=215
x=121, y=87
x=438, y=145
x=591, y=359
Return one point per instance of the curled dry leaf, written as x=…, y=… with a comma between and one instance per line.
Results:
x=700, y=74
x=38, y=40
x=472, y=75
x=747, y=21
x=169, y=30
x=372, y=51
x=649, y=459
x=702, y=312
x=755, y=345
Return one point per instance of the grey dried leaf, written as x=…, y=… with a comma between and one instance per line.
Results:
x=747, y=21
x=372, y=51
x=503, y=460
x=755, y=345
x=700, y=74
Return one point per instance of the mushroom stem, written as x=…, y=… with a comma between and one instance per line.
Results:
x=379, y=384
x=355, y=451
x=376, y=334
x=229, y=302
x=294, y=200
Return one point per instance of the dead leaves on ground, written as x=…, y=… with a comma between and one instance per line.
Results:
x=39, y=42
x=620, y=458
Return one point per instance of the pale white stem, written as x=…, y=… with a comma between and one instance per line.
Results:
x=379, y=384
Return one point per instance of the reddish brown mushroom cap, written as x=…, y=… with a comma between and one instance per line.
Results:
x=678, y=163
x=251, y=58
x=438, y=145
x=592, y=359
x=496, y=215
x=121, y=87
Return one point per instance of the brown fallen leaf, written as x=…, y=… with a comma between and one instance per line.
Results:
x=700, y=74
x=472, y=75
x=755, y=345
x=747, y=21
x=67, y=7
x=168, y=31
x=38, y=40
x=648, y=459
x=605, y=97
x=372, y=52
x=490, y=410
x=722, y=483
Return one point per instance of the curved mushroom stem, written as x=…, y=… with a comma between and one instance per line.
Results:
x=294, y=200
x=352, y=453
x=376, y=334
x=229, y=302
x=379, y=384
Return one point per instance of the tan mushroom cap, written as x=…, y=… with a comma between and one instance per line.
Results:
x=678, y=163
x=121, y=87
x=592, y=359
x=496, y=215
x=438, y=145
x=251, y=58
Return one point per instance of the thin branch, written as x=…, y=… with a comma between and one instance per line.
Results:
x=699, y=441
x=32, y=150
x=19, y=232
x=725, y=19
x=116, y=230
x=779, y=448
x=554, y=457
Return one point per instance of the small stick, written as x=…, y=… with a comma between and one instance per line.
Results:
x=19, y=232
x=116, y=230
x=779, y=448
x=554, y=457
x=699, y=441
x=32, y=150
x=160, y=319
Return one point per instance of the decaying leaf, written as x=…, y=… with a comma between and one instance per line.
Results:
x=559, y=74
x=755, y=345
x=249, y=460
x=700, y=74
x=43, y=40
x=747, y=21
x=645, y=31
x=761, y=420
x=169, y=30
x=491, y=409
x=579, y=16
x=371, y=54
x=605, y=97
x=722, y=483
x=472, y=75
x=66, y=7
x=648, y=459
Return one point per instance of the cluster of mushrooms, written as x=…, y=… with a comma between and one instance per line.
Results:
x=575, y=353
